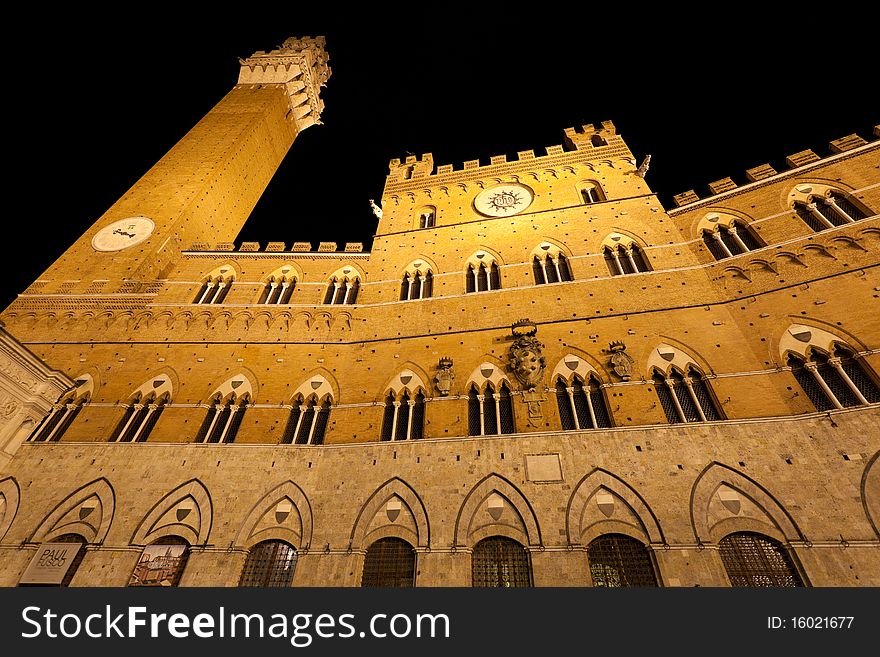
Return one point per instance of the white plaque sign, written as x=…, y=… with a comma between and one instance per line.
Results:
x=51, y=563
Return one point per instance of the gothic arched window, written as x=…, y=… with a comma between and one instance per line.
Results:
x=404, y=416
x=582, y=406
x=427, y=217
x=838, y=381
x=417, y=284
x=490, y=413
x=139, y=419
x=618, y=561
x=342, y=290
x=222, y=420
x=500, y=562
x=214, y=289
x=627, y=259
x=269, y=564
x=307, y=423
x=389, y=562
x=591, y=192
x=161, y=563
x=730, y=240
x=824, y=212
x=685, y=398
x=278, y=290
x=482, y=277
x=752, y=559
x=550, y=266
x=63, y=413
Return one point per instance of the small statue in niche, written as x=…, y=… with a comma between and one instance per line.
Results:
x=444, y=377
x=621, y=361
x=525, y=359
x=376, y=209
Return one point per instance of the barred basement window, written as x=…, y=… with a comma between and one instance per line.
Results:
x=416, y=286
x=483, y=278
x=500, y=562
x=618, y=561
x=389, y=562
x=403, y=417
x=213, y=290
x=162, y=563
x=342, y=290
x=755, y=560
x=222, y=421
x=307, y=423
x=278, y=291
x=269, y=564
x=823, y=212
x=625, y=260
x=727, y=241
x=836, y=382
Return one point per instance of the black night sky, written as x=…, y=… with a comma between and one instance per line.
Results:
x=707, y=95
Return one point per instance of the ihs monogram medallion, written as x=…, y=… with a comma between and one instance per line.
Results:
x=503, y=200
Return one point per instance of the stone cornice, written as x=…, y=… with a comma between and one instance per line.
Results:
x=278, y=255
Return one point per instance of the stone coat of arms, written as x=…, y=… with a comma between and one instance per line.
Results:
x=525, y=359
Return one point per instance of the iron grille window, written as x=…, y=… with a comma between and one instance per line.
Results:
x=402, y=418
x=418, y=417
x=754, y=560
x=618, y=561
x=714, y=247
x=848, y=206
x=500, y=562
x=825, y=209
x=808, y=217
x=809, y=385
x=684, y=398
x=838, y=386
x=162, y=563
x=473, y=413
x=859, y=377
x=704, y=396
x=666, y=401
x=748, y=238
x=566, y=417
x=269, y=564
x=581, y=405
x=390, y=562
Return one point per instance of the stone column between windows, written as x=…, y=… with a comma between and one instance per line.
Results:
x=422, y=287
x=670, y=385
x=732, y=230
x=814, y=370
x=348, y=287
x=234, y=408
x=543, y=262
x=412, y=403
x=208, y=287
x=272, y=287
x=693, y=396
x=55, y=411
x=135, y=409
x=215, y=408
x=838, y=210
x=316, y=409
x=480, y=399
x=151, y=408
x=629, y=256
x=488, y=271
x=475, y=272
x=299, y=419
x=570, y=391
x=497, y=397
x=835, y=363
x=616, y=254
x=814, y=210
x=586, y=391
x=68, y=409
x=556, y=266
x=396, y=405
x=716, y=235
x=216, y=296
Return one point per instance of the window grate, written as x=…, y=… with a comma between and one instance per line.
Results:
x=746, y=235
x=755, y=560
x=810, y=386
x=500, y=562
x=731, y=244
x=389, y=562
x=418, y=417
x=684, y=398
x=600, y=408
x=861, y=378
x=618, y=561
x=666, y=401
x=490, y=417
x=704, y=396
x=808, y=217
x=506, y=408
x=838, y=386
x=713, y=246
x=269, y=564
x=566, y=417
x=849, y=207
x=473, y=413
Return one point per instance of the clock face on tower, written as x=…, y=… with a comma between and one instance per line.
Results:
x=503, y=200
x=123, y=233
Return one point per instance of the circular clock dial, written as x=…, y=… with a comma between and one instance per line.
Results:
x=503, y=200
x=123, y=233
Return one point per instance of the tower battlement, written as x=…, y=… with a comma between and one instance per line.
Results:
x=302, y=66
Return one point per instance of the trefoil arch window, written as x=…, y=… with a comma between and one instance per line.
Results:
x=417, y=282
x=63, y=413
x=342, y=289
x=685, y=397
x=214, y=289
x=582, y=406
x=482, y=276
x=140, y=417
x=308, y=420
x=821, y=212
x=625, y=259
x=490, y=413
x=223, y=419
x=836, y=381
x=278, y=290
x=549, y=265
x=725, y=241
x=404, y=416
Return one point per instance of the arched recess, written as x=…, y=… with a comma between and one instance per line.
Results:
x=870, y=493
x=283, y=514
x=393, y=510
x=603, y=503
x=186, y=512
x=495, y=507
x=724, y=500
x=9, y=499
x=88, y=511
